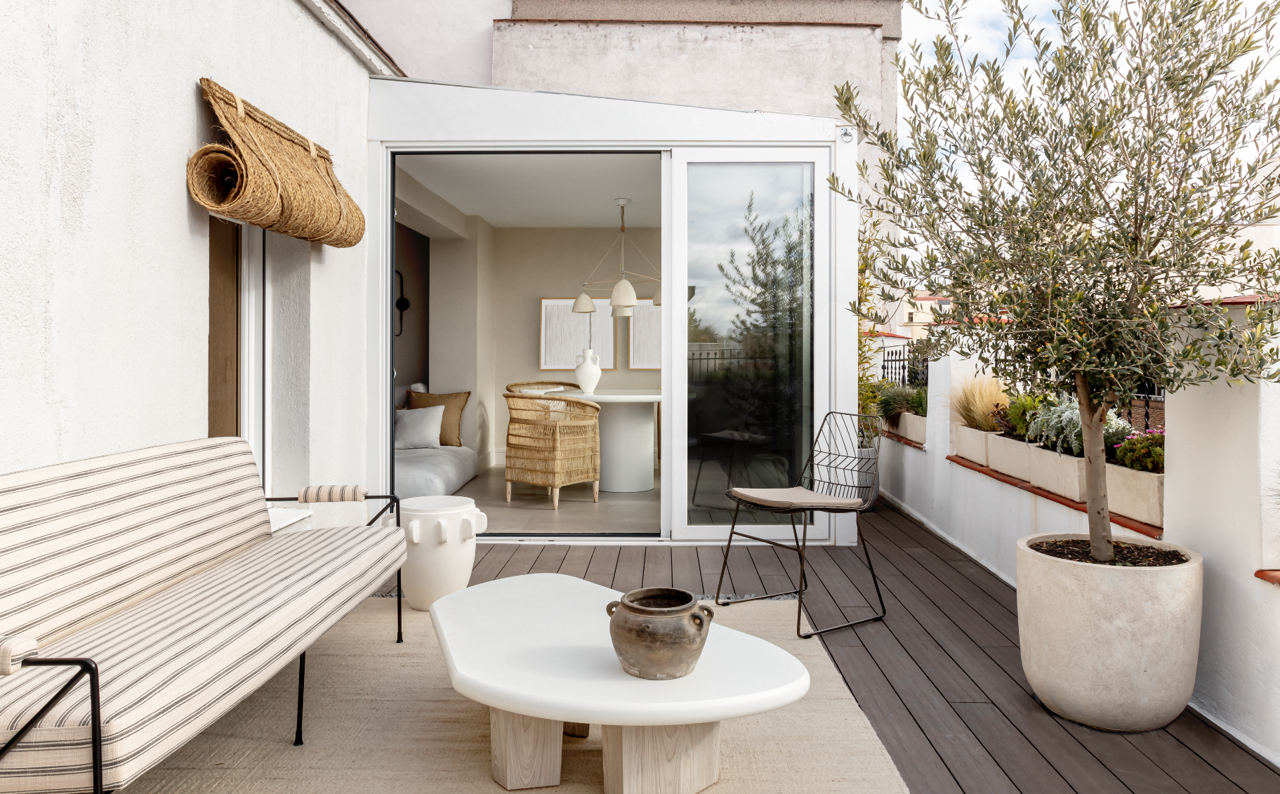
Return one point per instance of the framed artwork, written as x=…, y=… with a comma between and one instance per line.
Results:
x=564, y=335
x=644, y=345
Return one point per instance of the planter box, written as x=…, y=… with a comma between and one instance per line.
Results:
x=1056, y=473
x=1008, y=456
x=911, y=427
x=1136, y=494
x=971, y=444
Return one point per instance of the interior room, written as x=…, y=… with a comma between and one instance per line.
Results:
x=493, y=253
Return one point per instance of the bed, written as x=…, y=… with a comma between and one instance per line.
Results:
x=433, y=472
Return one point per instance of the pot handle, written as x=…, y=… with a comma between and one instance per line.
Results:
x=704, y=619
x=613, y=605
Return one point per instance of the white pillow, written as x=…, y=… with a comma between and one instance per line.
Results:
x=419, y=428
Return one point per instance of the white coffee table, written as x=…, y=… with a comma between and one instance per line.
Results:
x=536, y=650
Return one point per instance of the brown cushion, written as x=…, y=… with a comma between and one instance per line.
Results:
x=795, y=498
x=451, y=424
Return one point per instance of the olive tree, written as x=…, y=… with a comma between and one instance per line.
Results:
x=1084, y=213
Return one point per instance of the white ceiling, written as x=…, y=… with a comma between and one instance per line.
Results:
x=544, y=190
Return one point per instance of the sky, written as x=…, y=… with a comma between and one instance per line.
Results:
x=985, y=23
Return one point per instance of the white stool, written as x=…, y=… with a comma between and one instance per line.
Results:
x=441, y=535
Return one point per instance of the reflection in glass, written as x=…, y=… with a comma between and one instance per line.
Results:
x=750, y=317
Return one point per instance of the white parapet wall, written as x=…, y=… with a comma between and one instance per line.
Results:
x=1219, y=500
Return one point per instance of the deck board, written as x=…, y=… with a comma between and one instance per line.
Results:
x=630, y=573
x=685, y=573
x=710, y=562
x=940, y=678
x=657, y=567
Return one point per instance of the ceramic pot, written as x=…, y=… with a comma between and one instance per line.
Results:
x=440, y=534
x=588, y=371
x=658, y=632
x=1108, y=646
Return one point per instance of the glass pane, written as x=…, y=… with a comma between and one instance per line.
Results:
x=750, y=331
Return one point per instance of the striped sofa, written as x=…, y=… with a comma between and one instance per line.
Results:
x=159, y=566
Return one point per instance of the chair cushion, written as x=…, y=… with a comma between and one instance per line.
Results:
x=174, y=663
x=795, y=498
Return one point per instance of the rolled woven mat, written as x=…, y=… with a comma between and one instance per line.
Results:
x=270, y=176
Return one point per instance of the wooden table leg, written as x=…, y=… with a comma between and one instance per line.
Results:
x=525, y=751
x=662, y=759
x=578, y=730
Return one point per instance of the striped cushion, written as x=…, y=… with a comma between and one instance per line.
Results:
x=172, y=664
x=82, y=540
x=332, y=493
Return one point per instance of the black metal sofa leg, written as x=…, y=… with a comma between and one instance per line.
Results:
x=399, y=601
x=87, y=667
x=302, y=681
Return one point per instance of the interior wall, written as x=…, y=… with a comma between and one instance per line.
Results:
x=531, y=264
x=461, y=346
x=412, y=262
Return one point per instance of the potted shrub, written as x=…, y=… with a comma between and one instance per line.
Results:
x=1079, y=214
x=1135, y=482
x=1009, y=452
x=904, y=409
x=976, y=404
x=1057, y=465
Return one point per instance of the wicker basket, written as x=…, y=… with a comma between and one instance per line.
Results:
x=552, y=442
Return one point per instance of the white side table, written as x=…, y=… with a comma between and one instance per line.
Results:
x=440, y=533
x=536, y=650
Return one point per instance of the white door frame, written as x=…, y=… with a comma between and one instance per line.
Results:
x=414, y=117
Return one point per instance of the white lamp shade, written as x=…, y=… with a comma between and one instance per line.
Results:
x=584, y=304
x=623, y=295
x=621, y=311
x=657, y=296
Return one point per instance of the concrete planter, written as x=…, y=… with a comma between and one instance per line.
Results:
x=1110, y=647
x=1056, y=473
x=1136, y=494
x=911, y=427
x=1008, y=456
x=971, y=444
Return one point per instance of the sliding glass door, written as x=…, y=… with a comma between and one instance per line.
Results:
x=745, y=226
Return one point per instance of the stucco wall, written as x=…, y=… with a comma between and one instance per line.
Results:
x=104, y=299
x=782, y=68
x=884, y=12
x=443, y=40
x=1216, y=497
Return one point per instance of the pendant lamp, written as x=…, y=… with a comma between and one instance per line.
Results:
x=622, y=298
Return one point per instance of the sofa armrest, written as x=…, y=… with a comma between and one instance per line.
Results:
x=14, y=651
x=332, y=493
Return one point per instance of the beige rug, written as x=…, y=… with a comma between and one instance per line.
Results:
x=382, y=718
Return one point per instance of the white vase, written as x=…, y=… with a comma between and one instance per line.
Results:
x=440, y=535
x=588, y=371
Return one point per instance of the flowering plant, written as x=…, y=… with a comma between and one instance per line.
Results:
x=1143, y=451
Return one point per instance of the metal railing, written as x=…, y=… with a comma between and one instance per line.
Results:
x=899, y=366
x=708, y=362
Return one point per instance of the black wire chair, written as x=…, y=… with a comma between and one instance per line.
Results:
x=841, y=476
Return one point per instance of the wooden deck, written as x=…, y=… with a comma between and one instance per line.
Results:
x=940, y=678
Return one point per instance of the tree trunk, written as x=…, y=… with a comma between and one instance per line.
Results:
x=1093, y=419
